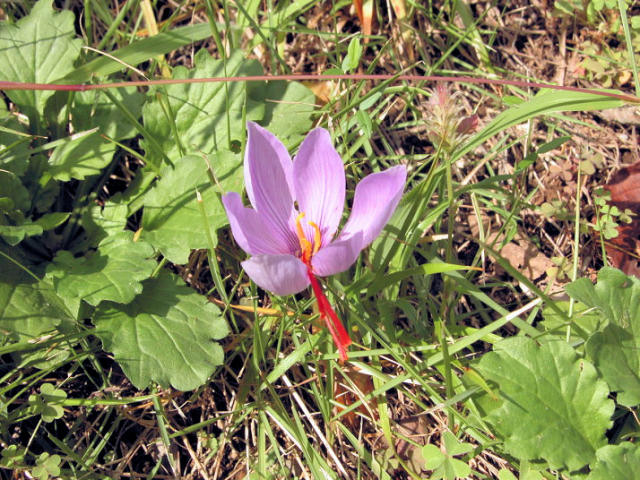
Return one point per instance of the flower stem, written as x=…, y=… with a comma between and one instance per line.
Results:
x=338, y=332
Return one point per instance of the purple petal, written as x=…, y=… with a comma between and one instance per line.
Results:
x=280, y=274
x=318, y=177
x=337, y=256
x=376, y=197
x=267, y=177
x=249, y=229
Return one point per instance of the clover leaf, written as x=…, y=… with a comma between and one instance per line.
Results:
x=47, y=466
x=443, y=463
x=48, y=404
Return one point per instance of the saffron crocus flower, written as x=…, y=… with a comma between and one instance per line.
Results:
x=290, y=232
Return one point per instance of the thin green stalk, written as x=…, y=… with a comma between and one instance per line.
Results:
x=447, y=294
x=115, y=24
x=88, y=29
x=162, y=426
x=576, y=248
x=622, y=8
x=214, y=268
x=215, y=33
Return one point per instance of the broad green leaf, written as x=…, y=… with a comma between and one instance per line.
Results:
x=616, y=353
x=287, y=110
x=14, y=234
x=12, y=456
x=14, y=143
x=40, y=48
x=615, y=295
x=113, y=272
x=101, y=221
x=21, y=228
x=28, y=308
x=201, y=118
x=615, y=350
x=172, y=221
x=616, y=462
x=584, y=322
x=49, y=221
x=13, y=194
x=165, y=335
x=94, y=109
x=84, y=154
x=554, y=406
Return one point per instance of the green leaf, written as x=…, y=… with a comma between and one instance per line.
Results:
x=21, y=228
x=49, y=221
x=28, y=308
x=165, y=335
x=14, y=143
x=48, y=403
x=615, y=350
x=12, y=456
x=13, y=194
x=113, y=272
x=616, y=353
x=47, y=466
x=352, y=59
x=40, y=48
x=615, y=295
x=616, y=462
x=83, y=154
x=14, y=234
x=101, y=221
x=444, y=465
x=172, y=221
x=287, y=109
x=554, y=405
x=584, y=322
x=199, y=118
x=454, y=447
x=94, y=109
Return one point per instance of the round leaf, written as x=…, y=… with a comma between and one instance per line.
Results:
x=554, y=406
x=113, y=272
x=165, y=335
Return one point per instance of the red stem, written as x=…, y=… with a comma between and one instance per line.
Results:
x=306, y=77
x=338, y=332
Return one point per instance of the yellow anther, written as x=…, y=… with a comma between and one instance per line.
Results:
x=317, y=238
x=305, y=245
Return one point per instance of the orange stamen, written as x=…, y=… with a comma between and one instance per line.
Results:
x=317, y=238
x=305, y=245
x=307, y=250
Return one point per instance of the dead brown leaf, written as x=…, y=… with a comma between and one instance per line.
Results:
x=623, y=251
x=349, y=391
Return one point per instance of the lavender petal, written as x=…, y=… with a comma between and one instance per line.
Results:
x=319, y=181
x=279, y=274
x=376, y=198
x=338, y=256
x=268, y=180
x=249, y=229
